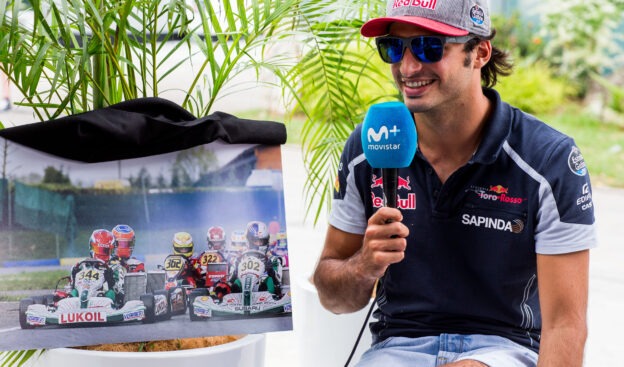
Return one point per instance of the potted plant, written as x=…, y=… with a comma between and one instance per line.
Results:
x=67, y=57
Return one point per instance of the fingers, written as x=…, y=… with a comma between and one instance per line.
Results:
x=384, y=241
x=385, y=215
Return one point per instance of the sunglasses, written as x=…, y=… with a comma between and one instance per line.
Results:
x=426, y=49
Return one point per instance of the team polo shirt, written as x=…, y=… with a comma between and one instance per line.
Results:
x=470, y=263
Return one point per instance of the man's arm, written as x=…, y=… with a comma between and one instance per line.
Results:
x=563, y=290
x=350, y=264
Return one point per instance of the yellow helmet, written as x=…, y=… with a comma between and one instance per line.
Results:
x=183, y=244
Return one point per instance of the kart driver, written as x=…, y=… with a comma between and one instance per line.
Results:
x=216, y=284
x=258, y=240
x=124, y=246
x=183, y=246
x=101, y=245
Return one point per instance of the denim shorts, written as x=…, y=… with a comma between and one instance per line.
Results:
x=431, y=351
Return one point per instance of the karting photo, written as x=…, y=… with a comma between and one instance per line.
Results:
x=166, y=245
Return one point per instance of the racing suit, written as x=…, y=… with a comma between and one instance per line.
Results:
x=109, y=276
x=272, y=282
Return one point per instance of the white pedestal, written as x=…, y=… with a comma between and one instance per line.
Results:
x=324, y=338
x=245, y=352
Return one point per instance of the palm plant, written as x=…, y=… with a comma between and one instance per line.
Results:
x=77, y=55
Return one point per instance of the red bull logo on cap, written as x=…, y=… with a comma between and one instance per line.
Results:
x=426, y=4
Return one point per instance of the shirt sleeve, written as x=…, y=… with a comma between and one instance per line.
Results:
x=347, y=212
x=566, y=210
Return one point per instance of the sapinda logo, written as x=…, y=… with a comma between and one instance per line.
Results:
x=376, y=136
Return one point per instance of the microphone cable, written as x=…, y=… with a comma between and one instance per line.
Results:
x=368, y=315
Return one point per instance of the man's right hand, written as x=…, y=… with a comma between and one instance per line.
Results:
x=350, y=264
x=384, y=242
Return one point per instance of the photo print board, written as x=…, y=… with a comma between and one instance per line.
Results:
x=141, y=222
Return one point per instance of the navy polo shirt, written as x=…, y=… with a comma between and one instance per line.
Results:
x=470, y=263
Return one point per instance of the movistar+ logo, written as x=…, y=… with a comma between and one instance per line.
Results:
x=383, y=134
x=375, y=136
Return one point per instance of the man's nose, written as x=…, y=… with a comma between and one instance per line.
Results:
x=410, y=63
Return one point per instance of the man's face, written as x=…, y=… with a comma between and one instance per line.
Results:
x=427, y=87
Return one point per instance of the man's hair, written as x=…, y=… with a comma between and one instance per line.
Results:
x=500, y=63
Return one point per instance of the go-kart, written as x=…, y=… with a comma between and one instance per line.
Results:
x=90, y=306
x=176, y=285
x=253, y=298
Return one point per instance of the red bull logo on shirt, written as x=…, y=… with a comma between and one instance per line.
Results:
x=403, y=202
x=402, y=183
x=408, y=202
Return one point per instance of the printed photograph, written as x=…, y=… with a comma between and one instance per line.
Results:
x=184, y=244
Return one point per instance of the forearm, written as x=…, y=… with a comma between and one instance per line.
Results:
x=563, y=347
x=342, y=286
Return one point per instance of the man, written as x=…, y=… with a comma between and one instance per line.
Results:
x=487, y=263
x=101, y=246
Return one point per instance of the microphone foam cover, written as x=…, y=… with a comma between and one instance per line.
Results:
x=389, y=135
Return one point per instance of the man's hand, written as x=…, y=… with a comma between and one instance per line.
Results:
x=384, y=242
x=350, y=264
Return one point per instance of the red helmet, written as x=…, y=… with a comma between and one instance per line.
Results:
x=101, y=244
x=216, y=238
x=124, y=240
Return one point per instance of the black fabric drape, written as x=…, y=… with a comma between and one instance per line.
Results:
x=139, y=128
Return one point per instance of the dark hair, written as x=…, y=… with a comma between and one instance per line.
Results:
x=500, y=63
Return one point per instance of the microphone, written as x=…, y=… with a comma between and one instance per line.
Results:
x=389, y=141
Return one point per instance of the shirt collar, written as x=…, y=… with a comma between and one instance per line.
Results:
x=496, y=130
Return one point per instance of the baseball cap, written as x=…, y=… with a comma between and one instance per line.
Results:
x=447, y=17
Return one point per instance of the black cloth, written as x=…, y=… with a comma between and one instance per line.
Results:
x=139, y=128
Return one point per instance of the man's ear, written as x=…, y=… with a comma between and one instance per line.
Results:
x=483, y=53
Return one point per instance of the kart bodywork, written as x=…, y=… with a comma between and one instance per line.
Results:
x=90, y=306
x=250, y=301
x=177, y=285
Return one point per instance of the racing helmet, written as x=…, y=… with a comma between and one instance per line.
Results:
x=183, y=244
x=124, y=241
x=257, y=236
x=238, y=242
x=215, y=238
x=101, y=244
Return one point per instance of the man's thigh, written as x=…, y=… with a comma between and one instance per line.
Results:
x=399, y=351
x=495, y=351
x=451, y=349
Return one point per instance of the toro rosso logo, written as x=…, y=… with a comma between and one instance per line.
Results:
x=499, y=189
x=498, y=193
x=404, y=201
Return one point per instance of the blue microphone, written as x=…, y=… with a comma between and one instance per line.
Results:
x=389, y=142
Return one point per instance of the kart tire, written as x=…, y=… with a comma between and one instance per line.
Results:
x=48, y=300
x=150, y=312
x=167, y=314
x=39, y=300
x=23, y=306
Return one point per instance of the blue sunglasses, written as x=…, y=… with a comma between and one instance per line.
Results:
x=427, y=49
